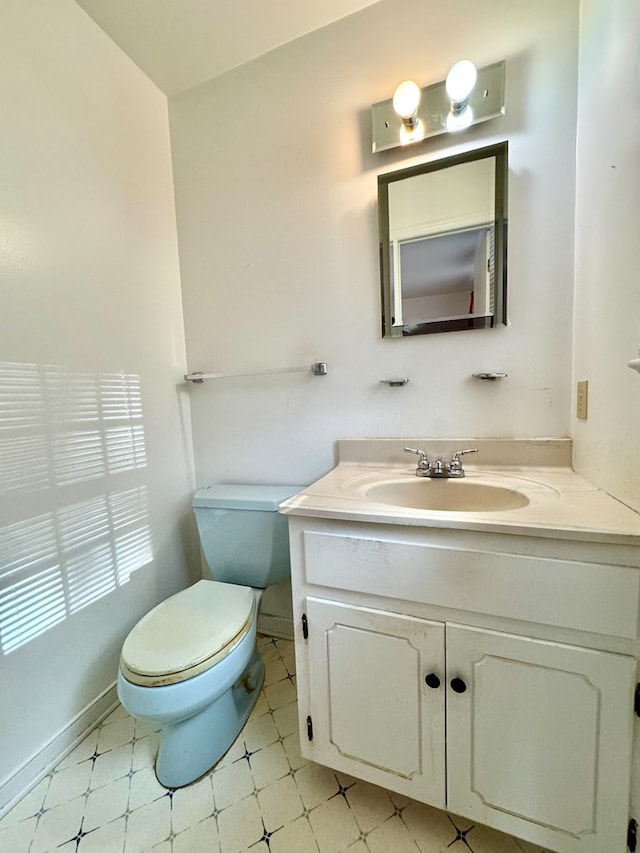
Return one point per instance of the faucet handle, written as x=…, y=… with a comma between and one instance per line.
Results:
x=423, y=459
x=459, y=453
x=455, y=457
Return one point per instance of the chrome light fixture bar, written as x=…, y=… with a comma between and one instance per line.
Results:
x=440, y=108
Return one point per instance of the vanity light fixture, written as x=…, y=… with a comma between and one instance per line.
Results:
x=467, y=97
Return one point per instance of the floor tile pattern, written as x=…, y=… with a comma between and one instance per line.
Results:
x=262, y=797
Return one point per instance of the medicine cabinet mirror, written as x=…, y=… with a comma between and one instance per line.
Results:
x=443, y=244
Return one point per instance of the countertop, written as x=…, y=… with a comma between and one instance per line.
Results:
x=562, y=504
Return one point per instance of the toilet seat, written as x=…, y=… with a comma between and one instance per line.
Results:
x=188, y=633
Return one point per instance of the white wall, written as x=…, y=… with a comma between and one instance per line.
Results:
x=276, y=198
x=94, y=429
x=607, y=310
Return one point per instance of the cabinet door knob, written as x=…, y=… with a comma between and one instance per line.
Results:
x=458, y=685
x=432, y=680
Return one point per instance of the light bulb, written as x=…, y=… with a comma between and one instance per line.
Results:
x=406, y=99
x=460, y=80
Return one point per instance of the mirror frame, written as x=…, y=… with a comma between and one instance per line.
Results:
x=500, y=152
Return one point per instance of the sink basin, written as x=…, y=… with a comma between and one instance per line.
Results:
x=446, y=495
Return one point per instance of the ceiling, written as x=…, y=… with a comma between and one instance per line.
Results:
x=181, y=43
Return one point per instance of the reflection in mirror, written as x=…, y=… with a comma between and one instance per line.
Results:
x=443, y=244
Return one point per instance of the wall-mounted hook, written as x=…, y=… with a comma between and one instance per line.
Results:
x=489, y=377
x=394, y=383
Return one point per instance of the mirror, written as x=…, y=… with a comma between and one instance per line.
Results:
x=443, y=244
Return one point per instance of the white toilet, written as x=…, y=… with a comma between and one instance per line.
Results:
x=192, y=663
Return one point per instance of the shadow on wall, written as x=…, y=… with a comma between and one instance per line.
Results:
x=72, y=455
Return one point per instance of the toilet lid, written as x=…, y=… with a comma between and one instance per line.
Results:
x=179, y=637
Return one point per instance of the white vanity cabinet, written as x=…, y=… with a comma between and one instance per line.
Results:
x=517, y=714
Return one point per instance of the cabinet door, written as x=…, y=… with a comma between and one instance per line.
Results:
x=373, y=713
x=539, y=743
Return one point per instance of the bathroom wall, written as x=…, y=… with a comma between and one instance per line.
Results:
x=607, y=310
x=276, y=200
x=277, y=221
x=95, y=450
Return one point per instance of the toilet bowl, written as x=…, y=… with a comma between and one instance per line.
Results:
x=191, y=664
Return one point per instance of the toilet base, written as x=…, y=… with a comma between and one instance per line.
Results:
x=191, y=747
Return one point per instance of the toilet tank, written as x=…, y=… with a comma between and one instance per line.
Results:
x=243, y=538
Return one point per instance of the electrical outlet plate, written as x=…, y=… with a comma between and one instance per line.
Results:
x=582, y=400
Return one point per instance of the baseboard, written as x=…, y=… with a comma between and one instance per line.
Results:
x=275, y=626
x=42, y=762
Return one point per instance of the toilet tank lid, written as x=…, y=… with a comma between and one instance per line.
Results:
x=243, y=496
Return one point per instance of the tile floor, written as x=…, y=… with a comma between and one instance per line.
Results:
x=262, y=796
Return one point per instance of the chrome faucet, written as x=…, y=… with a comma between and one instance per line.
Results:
x=438, y=468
